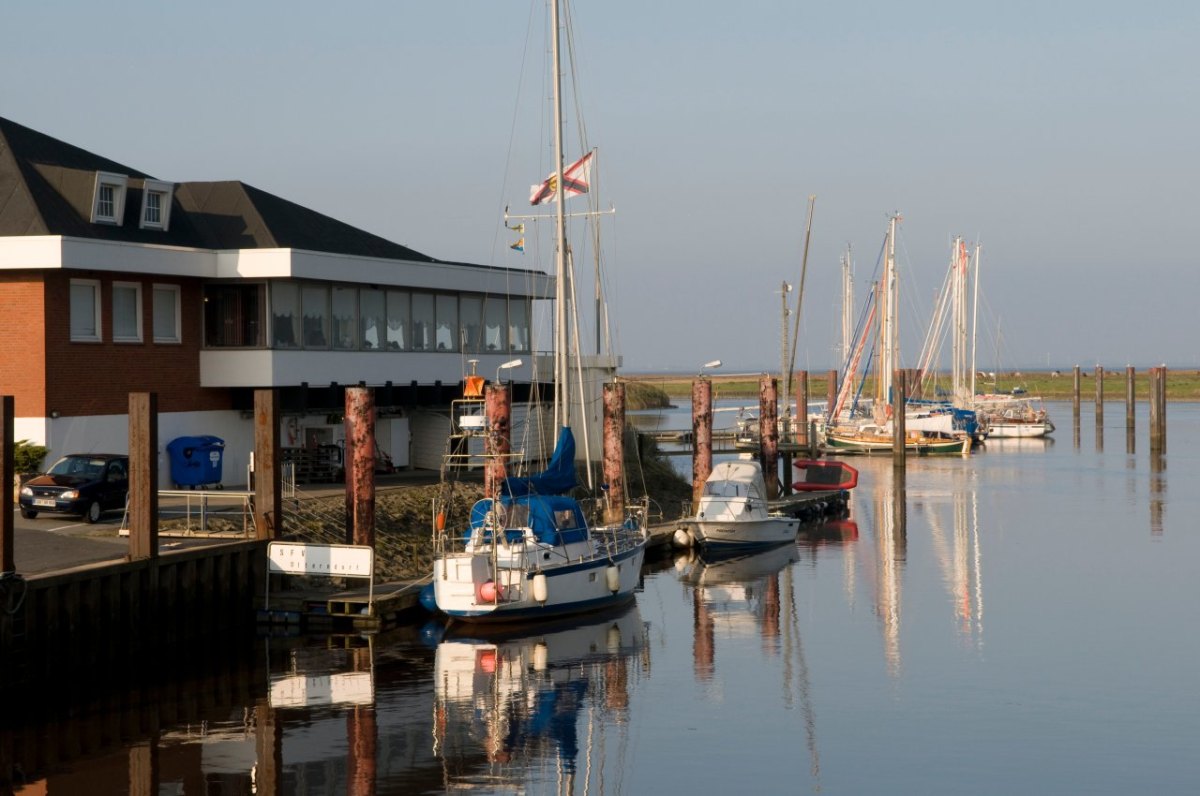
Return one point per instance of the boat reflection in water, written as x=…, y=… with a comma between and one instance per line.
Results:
x=509, y=709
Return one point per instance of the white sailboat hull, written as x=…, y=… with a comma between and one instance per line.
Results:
x=479, y=586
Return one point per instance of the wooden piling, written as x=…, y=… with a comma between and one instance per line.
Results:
x=701, y=436
x=802, y=409
x=768, y=433
x=143, y=475
x=831, y=390
x=268, y=483
x=359, y=465
x=899, y=401
x=498, y=443
x=1075, y=396
x=1099, y=397
x=614, y=452
x=1158, y=410
x=1129, y=396
x=1162, y=409
x=7, y=532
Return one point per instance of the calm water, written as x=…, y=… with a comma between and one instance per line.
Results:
x=1020, y=621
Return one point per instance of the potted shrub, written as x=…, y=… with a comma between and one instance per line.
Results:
x=27, y=462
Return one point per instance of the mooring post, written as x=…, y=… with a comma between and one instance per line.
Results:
x=768, y=433
x=1075, y=395
x=899, y=401
x=268, y=478
x=143, y=475
x=831, y=391
x=1162, y=409
x=7, y=559
x=1158, y=410
x=802, y=409
x=360, y=465
x=614, y=452
x=1099, y=397
x=1129, y=396
x=498, y=442
x=701, y=436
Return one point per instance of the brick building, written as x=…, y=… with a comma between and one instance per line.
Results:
x=113, y=281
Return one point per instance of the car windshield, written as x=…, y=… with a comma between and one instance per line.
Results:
x=78, y=466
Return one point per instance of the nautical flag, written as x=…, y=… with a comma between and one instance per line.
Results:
x=576, y=179
x=519, y=245
x=517, y=228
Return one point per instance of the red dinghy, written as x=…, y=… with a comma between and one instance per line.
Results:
x=824, y=476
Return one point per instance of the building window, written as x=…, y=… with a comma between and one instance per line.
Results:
x=285, y=315
x=108, y=204
x=495, y=324
x=470, y=315
x=156, y=204
x=166, y=314
x=446, y=313
x=399, y=320
x=127, y=312
x=518, y=326
x=422, y=321
x=233, y=316
x=314, y=299
x=85, y=310
x=372, y=311
x=345, y=318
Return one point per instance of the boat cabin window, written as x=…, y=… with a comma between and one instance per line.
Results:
x=721, y=489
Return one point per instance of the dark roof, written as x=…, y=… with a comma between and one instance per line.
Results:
x=46, y=188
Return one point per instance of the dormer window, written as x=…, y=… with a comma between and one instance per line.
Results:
x=108, y=207
x=156, y=204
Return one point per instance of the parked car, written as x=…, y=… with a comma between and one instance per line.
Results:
x=87, y=484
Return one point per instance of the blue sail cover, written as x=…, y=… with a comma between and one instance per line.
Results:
x=559, y=476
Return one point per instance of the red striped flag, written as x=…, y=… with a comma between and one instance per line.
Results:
x=576, y=179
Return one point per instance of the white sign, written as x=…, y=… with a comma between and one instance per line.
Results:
x=331, y=560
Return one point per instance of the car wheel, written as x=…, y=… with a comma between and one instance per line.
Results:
x=92, y=515
x=28, y=514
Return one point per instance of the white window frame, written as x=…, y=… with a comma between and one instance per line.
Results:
x=164, y=190
x=97, y=316
x=118, y=182
x=177, y=336
x=137, y=309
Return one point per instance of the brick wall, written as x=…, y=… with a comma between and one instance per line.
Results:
x=96, y=378
x=23, y=343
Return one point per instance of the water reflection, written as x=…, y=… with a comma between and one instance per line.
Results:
x=752, y=595
x=508, y=711
x=739, y=593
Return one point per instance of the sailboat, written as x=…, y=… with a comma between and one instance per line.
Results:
x=846, y=431
x=529, y=552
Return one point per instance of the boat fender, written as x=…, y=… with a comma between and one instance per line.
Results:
x=682, y=538
x=489, y=591
x=540, y=589
x=612, y=577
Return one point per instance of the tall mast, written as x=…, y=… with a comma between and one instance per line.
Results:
x=847, y=306
x=888, y=317
x=562, y=411
x=974, y=322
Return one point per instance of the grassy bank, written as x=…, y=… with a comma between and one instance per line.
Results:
x=1182, y=385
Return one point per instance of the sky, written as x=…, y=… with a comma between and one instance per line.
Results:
x=1060, y=136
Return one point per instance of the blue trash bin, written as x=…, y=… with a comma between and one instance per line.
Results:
x=196, y=461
